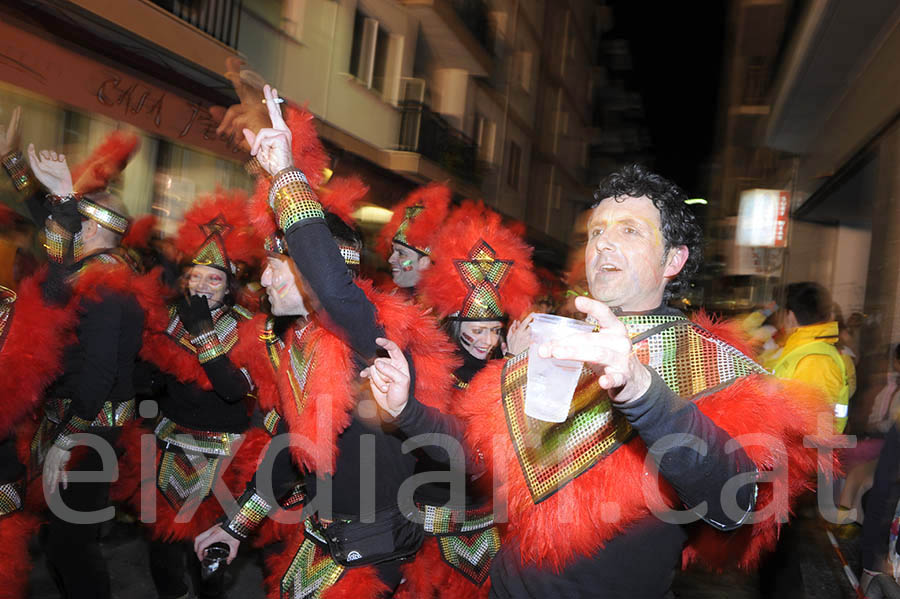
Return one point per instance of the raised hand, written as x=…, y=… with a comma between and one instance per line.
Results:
x=389, y=378
x=518, y=337
x=272, y=145
x=11, y=136
x=52, y=170
x=608, y=351
x=251, y=113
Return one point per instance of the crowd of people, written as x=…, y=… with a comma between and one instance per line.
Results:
x=372, y=440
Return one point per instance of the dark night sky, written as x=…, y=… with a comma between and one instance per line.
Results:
x=677, y=54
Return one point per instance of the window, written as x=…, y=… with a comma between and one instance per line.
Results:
x=376, y=57
x=485, y=136
x=512, y=165
x=522, y=68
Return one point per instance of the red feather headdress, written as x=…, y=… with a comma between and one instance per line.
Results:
x=485, y=270
x=416, y=219
x=217, y=231
x=105, y=163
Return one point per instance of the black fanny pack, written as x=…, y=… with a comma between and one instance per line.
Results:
x=392, y=536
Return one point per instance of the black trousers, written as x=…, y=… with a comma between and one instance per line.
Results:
x=73, y=549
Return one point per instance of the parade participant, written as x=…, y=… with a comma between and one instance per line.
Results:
x=353, y=460
x=484, y=277
x=586, y=517
x=94, y=394
x=33, y=334
x=204, y=346
x=406, y=239
x=809, y=353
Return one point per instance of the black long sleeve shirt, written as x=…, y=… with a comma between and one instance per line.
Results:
x=642, y=561
x=370, y=458
x=99, y=367
x=220, y=409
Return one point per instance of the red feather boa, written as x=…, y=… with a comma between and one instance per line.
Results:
x=752, y=405
x=333, y=384
x=15, y=562
x=30, y=358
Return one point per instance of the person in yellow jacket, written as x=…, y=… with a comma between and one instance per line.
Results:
x=809, y=353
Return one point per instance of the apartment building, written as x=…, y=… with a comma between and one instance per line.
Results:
x=494, y=98
x=811, y=107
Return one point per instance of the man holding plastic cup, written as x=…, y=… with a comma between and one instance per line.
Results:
x=670, y=432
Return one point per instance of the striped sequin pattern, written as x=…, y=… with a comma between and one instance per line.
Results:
x=312, y=571
x=689, y=359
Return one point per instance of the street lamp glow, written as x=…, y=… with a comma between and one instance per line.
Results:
x=693, y=201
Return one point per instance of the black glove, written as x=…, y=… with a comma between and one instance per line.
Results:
x=66, y=215
x=195, y=314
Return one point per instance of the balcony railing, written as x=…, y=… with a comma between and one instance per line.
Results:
x=429, y=134
x=219, y=18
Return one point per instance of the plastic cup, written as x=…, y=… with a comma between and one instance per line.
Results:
x=551, y=383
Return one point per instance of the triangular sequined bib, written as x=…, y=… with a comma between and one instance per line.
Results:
x=689, y=359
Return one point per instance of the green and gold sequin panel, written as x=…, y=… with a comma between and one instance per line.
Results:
x=110, y=414
x=483, y=274
x=302, y=355
x=205, y=442
x=552, y=454
x=311, y=572
x=7, y=307
x=409, y=215
x=208, y=347
x=688, y=358
x=11, y=497
x=109, y=219
x=57, y=242
x=442, y=520
x=17, y=168
x=226, y=330
x=185, y=478
x=251, y=512
x=270, y=422
x=471, y=555
x=293, y=200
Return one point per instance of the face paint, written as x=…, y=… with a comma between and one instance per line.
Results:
x=479, y=338
x=406, y=265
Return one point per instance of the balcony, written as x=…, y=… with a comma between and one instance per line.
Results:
x=218, y=18
x=429, y=134
x=457, y=31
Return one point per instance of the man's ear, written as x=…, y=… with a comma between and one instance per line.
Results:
x=424, y=262
x=676, y=260
x=88, y=229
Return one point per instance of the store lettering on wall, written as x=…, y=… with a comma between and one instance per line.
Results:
x=137, y=98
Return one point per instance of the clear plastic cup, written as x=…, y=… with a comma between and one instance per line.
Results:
x=551, y=382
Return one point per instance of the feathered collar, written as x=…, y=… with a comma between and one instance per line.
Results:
x=34, y=337
x=318, y=382
x=167, y=344
x=603, y=501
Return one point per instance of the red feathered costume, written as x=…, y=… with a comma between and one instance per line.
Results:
x=482, y=259
x=601, y=494
x=216, y=233
x=32, y=338
x=320, y=391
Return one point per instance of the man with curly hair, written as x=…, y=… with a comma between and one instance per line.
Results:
x=670, y=430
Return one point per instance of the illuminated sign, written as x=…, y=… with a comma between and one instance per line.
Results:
x=763, y=218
